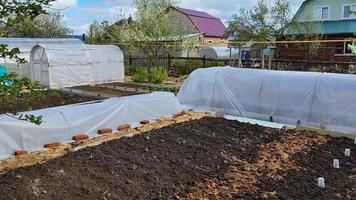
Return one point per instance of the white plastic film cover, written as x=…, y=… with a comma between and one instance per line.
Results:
x=26, y=44
x=62, y=123
x=318, y=100
x=77, y=64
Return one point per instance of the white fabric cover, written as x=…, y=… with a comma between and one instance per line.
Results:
x=62, y=123
x=68, y=65
x=317, y=100
x=26, y=44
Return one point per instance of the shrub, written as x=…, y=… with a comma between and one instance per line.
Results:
x=157, y=75
x=14, y=89
x=130, y=70
x=141, y=75
x=186, y=67
x=314, y=69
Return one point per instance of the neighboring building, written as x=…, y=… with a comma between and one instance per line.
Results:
x=333, y=20
x=212, y=28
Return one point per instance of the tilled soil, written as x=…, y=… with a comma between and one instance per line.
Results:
x=51, y=99
x=212, y=158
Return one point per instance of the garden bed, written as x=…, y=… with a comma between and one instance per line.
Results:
x=51, y=99
x=101, y=90
x=208, y=158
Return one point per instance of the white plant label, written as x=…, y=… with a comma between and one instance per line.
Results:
x=347, y=152
x=321, y=182
x=336, y=163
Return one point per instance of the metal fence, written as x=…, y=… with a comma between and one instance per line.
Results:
x=184, y=65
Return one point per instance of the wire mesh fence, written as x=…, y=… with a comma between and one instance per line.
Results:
x=318, y=56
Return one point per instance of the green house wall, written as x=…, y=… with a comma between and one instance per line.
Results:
x=305, y=13
x=334, y=25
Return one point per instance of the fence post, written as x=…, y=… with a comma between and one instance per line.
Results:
x=169, y=61
x=204, y=61
x=270, y=60
x=262, y=59
x=240, y=57
x=130, y=60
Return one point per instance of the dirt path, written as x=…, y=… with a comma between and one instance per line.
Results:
x=211, y=158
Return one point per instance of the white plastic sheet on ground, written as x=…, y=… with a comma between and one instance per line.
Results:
x=62, y=123
x=317, y=100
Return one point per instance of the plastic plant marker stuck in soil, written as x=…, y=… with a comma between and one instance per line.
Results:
x=336, y=163
x=321, y=182
x=348, y=152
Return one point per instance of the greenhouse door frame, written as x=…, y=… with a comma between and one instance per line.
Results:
x=40, y=66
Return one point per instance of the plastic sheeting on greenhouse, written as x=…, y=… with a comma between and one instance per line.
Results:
x=68, y=65
x=317, y=100
x=62, y=123
x=25, y=46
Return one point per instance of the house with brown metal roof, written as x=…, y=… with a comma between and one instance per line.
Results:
x=211, y=28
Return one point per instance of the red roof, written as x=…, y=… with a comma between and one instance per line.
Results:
x=204, y=22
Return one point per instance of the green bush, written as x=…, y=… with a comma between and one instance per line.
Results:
x=185, y=67
x=130, y=70
x=314, y=69
x=157, y=75
x=141, y=75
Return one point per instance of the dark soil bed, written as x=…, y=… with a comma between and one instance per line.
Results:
x=210, y=158
x=51, y=99
x=115, y=92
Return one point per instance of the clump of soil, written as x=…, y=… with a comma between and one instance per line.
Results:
x=50, y=99
x=212, y=158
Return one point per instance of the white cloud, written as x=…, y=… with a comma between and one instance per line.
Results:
x=64, y=4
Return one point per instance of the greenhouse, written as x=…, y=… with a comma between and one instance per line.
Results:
x=68, y=65
x=25, y=45
x=65, y=62
x=308, y=99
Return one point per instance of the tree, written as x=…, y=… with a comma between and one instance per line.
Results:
x=153, y=32
x=49, y=25
x=274, y=22
x=12, y=13
x=262, y=23
x=98, y=32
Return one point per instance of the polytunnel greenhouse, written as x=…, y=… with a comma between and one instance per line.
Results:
x=65, y=62
x=69, y=65
x=308, y=99
x=25, y=46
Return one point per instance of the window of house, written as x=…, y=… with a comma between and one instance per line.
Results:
x=347, y=11
x=321, y=12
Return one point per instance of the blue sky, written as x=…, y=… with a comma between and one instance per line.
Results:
x=79, y=14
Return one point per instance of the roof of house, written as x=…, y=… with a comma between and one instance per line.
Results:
x=204, y=22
